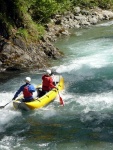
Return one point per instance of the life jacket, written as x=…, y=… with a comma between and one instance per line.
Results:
x=46, y=83
x=26, y=92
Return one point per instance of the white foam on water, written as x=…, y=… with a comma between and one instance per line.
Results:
x=7, y=113
x=7, y=142
x=100, y=58
x=90, y=62
x=96, y=102
x=105, y=24
x=5, y=97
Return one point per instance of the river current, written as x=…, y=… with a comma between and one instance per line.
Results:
x=86, y=120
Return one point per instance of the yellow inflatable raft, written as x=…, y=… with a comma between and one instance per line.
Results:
x=42, y=101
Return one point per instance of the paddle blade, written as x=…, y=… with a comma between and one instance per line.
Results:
x=1, y=107
x=61, y=101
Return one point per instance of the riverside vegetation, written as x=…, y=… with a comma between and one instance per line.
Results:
x=28, y=27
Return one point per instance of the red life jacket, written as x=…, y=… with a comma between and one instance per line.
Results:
x=26, y=92
x=47, y=83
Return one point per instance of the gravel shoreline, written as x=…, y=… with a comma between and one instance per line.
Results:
x=79, y=18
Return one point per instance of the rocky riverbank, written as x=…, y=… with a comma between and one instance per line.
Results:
x=18, y=54
x=79, y=18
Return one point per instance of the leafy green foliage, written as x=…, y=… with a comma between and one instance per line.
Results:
x=23, y=32
x=27, y=17
x=43, y=10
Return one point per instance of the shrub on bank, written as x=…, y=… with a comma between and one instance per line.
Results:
x=28, y=17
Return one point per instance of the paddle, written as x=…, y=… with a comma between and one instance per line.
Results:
x=61, y=100
x=5, y=105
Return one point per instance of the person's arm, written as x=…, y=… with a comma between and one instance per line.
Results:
x=54, y=80
x=18, y=92
x=51, y=83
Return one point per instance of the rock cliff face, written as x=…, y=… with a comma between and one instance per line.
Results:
x=17, y=54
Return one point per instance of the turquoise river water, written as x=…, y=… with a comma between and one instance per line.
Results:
x=86, y=120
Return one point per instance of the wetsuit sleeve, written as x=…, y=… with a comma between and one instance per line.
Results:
x=18, y=92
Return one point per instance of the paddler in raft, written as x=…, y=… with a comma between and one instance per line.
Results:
x=47, y=84
x=27, y=90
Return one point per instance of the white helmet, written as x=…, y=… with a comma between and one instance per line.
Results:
x=48, y=72
x=28, y=79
